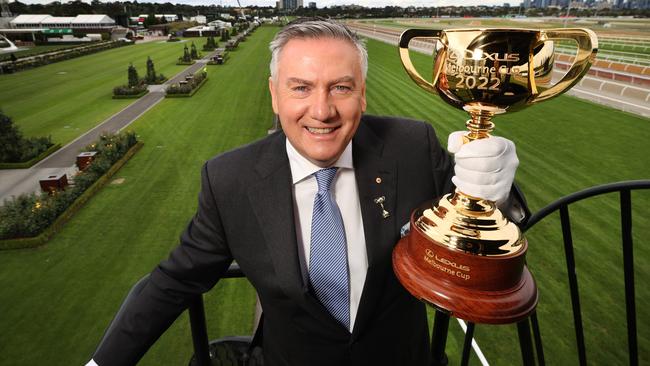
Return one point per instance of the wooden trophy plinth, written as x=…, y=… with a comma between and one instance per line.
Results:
x=479, y=288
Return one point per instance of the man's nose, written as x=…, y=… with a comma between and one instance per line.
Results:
x=322, y=107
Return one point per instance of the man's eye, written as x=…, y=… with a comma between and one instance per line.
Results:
x=300, y=88
x=342, y=88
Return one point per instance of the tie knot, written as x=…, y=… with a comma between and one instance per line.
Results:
x=324, y=177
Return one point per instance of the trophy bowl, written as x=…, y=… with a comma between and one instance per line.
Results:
x=462, y=254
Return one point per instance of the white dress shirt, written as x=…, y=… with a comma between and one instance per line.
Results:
x=345, y=192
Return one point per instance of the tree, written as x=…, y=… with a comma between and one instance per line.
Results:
x=151, y=71
x=186, y=55
x=194, y=54
x=10, y=139
x=210, y=44
x=150, y=20
x=133, y=76
x=225, y=35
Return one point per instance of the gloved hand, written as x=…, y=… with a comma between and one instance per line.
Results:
x=484, y=168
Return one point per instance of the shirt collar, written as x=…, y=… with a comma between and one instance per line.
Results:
x=302, y=168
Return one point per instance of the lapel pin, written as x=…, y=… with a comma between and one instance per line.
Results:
x=380, y=201
x=378, y=180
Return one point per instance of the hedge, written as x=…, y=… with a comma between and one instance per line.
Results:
x=30, y=163
x=187, y=90
x=60, y=55
x=132, y=96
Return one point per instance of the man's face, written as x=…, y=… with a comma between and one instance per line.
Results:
x=319, y=94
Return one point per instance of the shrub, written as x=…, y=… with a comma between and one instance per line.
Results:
x=152, y=77
x=133, y=76
x=128, y=90
x=225, y=35
x=186, y=55
x=14, y=148
x=49, y=57
x=210, y=44
x=191, y=84
x=29, y=214
x=194, y=54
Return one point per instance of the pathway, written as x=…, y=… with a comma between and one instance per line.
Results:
x=14, y=182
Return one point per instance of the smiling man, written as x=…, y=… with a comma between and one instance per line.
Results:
x=312, y=213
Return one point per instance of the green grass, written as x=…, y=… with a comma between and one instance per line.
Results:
x=564, y=145
x=57, y=300
x=66, y=99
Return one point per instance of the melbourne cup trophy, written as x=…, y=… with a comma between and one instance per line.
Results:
x=462, y=254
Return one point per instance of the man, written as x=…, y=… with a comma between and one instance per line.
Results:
x=299, y=212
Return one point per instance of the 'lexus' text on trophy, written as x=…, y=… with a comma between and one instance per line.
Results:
x=462, y=255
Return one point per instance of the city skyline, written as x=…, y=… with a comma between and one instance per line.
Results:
x=320, y=4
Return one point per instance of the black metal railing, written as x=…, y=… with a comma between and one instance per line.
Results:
x=199, y=325
x=529, y=347
x=562, y=205
x=524, y=327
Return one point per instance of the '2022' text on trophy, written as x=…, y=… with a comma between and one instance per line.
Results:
x=462, y=255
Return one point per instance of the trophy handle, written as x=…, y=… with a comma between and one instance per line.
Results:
x=404, y=40
x=587, y=48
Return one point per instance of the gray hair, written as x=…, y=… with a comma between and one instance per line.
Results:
x=315, y=28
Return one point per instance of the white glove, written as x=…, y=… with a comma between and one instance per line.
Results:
x=484, y=168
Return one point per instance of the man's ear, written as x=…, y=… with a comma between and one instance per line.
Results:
x=274, y=97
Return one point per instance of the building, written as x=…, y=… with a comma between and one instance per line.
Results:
x=168, y=17
x=312, y=5
x=46, y=28
x=290, y=4
x=220, y=24
x=201, y=19
x=82, y=22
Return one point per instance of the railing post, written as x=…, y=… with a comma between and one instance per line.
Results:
x=628, y=271
x=199, y=332
x=439, y=339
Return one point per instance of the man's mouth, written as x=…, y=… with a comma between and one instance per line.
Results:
x=320, y=131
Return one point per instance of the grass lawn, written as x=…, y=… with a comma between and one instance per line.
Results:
x=57, y=300
x=68, y=98
x=70, y=289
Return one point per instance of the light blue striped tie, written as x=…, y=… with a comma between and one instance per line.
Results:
x=328, y=258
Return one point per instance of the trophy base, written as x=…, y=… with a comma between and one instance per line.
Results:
x=492, y=289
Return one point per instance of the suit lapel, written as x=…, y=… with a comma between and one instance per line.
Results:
x=272, y=201
x=376, y=177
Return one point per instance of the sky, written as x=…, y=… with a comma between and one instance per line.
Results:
x=321, y=3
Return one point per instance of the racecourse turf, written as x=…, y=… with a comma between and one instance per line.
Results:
x=57, y=300
x=68, y=98
x=62, y=296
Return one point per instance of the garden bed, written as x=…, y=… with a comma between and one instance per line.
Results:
x=133, y=96
x=60, y=207
x=187, y=90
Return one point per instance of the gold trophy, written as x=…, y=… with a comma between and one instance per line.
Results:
x=462, y=255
